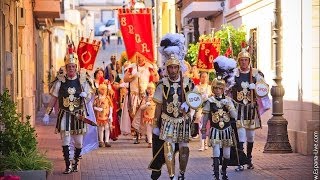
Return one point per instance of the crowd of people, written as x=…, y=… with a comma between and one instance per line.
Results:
x=143, y=100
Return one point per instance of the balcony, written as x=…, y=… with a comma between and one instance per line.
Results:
x=199, y=8
x=47, y=8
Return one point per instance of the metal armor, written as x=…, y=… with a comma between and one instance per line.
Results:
x=245, y=106
x=174, y=124
x=221, y=131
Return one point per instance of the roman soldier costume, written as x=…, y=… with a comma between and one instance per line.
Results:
x=219, y=110
x=174, y=121
x=248, y=118
x=103, y=111
x=70, y=92
x=246, y=107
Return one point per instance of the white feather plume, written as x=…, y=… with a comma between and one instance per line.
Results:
x=225, y=68
x=173, y=44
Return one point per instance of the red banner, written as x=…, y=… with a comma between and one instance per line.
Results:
x=87, y=53
x=208, y=51
x=137, y=33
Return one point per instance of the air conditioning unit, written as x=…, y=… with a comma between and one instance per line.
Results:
x=21, y=17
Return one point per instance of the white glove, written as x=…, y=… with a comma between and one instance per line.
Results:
x=224, y=101
x=123, y=85
x=185, y=107
x=148, y=103
x=46, y=119
x=156, y=131
x=98, y=109
x=204, y=96
x=252, y=86
x=83, y=94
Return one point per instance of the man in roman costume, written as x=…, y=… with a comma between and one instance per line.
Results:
x=71, y=91
x=172, y=114
x=243, y=94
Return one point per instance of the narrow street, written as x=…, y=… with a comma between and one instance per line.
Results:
x=125, y=160
x=265, y=53
x=103, y=57
x=128, y=161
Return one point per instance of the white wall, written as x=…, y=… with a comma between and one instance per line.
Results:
x=298, y=73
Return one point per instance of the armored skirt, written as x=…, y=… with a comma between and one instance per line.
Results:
x=177, y=129
x=70, y=104
x=222, y=137
x=175, y=125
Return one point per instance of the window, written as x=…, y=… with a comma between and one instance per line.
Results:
x=110, y=22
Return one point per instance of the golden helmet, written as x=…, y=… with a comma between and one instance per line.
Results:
x=151, y=85
x=172, y=61
x=71, y=56
x=244, y=53
x=103, y=87
x=218, y=82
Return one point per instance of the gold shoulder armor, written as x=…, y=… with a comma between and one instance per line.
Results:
x=61, y=77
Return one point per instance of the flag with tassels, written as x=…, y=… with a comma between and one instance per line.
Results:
x=209, y=49
x=87, y=52
x=136, y=29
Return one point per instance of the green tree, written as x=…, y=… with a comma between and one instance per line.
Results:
x=192, y=53
x=237, y=36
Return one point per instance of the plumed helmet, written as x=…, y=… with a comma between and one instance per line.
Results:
x=71, y=55
x=172, y=50
x=244, y=53
x=225, y=70
x=172, y=61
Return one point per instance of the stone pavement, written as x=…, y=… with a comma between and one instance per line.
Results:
x=126, y=161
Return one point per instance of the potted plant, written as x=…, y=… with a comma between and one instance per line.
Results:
x=19, y=154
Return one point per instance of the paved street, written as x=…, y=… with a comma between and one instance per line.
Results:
x=103, y=57
x=125, y=160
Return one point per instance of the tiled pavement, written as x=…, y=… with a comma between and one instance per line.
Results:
x=126, y=161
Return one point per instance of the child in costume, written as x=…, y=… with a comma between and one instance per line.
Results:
x=148, y=108
x=103, y=111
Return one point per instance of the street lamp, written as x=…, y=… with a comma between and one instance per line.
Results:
x=277, y=140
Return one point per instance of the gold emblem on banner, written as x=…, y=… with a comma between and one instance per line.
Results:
x=83, y=59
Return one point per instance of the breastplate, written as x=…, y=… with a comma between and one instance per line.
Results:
x=219, y=115
x=240, y=91
x=69, y=95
